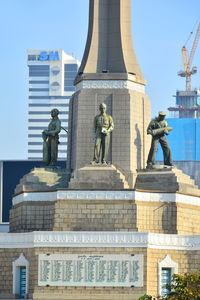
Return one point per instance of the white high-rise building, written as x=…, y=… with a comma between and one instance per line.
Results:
x=51, y=76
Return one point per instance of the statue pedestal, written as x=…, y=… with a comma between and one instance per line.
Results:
x=99, y=218
x=43, y=179
x=98, y=177
x=165, y=180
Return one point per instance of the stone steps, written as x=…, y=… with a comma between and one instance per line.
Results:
x=166, y=180
x=43, y=179
x=98, y=177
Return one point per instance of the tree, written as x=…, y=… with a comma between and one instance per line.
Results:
x=184, y=287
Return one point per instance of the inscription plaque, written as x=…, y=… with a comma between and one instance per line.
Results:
x=90, y=270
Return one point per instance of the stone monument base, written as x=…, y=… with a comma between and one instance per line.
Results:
x=79, y=234
x=98, y=177
x=165, y=179
x=54, y=260
x=43, y=179
x=161, y=202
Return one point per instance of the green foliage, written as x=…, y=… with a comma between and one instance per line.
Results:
x=185, y=287
x=148, y=297
x=145, y=297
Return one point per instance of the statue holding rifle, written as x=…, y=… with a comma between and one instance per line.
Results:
x=51, y=140
x=158, y=128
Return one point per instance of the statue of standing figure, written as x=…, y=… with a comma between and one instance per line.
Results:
x=51, y=140
x=103, y=126
x=158, y=128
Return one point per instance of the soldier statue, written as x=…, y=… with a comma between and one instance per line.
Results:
x=103, y=125
x=51, y=140
x=158, y=128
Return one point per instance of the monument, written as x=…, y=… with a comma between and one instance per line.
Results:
x=110, y=73
x=102, y=231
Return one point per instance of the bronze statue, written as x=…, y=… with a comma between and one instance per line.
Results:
x=158, y=128
x=51, y=140
x=103, y=125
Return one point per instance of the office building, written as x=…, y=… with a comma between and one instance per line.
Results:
x=51, y=77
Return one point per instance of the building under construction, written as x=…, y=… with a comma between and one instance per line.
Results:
x=188, y=101
x=184, y=140
x=187, y=104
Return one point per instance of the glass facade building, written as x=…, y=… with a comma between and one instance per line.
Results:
x=51, y=77
x=16, y=168
x=184, y=140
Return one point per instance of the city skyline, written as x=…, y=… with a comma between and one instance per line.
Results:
x=159, y=29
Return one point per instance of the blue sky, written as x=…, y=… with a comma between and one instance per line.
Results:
x=159, y=27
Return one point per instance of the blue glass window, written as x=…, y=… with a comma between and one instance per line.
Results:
x=40, y=143
x=70, y=75
x=38, y=81
x=38, y=71
x=40, y=151
x=69, y=82
x=69, y=89
x=38, y=90
x=71, y=67
x=22, y=289
x=48, y=97
x=46, y=112
x=44, y=120
x=49, y=105
x=39, y=135
x=165, y=279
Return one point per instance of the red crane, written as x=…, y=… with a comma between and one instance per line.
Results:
x=188, y=72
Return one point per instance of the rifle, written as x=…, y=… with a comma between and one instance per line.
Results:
x=161, y=130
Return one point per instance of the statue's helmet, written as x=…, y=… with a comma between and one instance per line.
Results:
x=102, y=105
x=162, y=113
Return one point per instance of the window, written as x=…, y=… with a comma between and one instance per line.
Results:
x=38, y=81
x=69, y=82
x=20, y=276
x=38, y=71
x=71, y=67
x=45, y=120
x=46, y=112
x=41, y=143
x=49, y=97
x=166, y=268
x=69, y=89
x=40, y=135
x=50, y=105
x=22, y=282
x=38, y=90
x=166, y=275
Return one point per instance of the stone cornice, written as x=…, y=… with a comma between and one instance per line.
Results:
x=106, y=195
x=100, y=239
x=110, y=84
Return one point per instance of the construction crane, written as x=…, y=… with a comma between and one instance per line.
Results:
x=187, y=73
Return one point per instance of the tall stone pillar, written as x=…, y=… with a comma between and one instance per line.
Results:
x=110, y=73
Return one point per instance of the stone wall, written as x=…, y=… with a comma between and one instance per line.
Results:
x=106, y=215
x=187, y=261
x=32, y=216
x=7, y=256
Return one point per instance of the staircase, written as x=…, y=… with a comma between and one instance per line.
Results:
x=168, y=180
